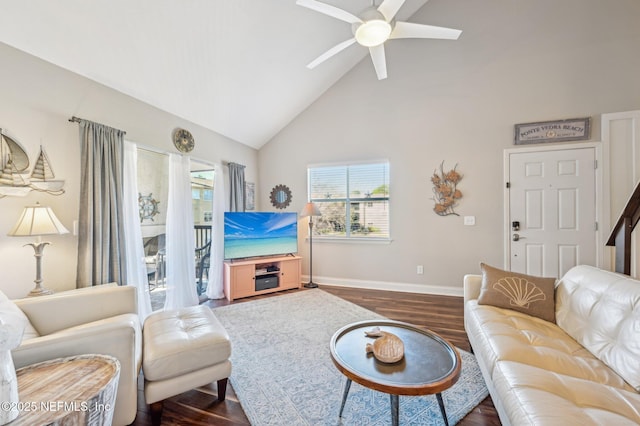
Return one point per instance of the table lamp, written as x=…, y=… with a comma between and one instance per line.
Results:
x=310, y=210
x=37, y=221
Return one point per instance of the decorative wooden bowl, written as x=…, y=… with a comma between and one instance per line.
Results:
x=387, y=347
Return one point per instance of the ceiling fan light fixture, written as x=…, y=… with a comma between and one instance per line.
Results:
x=373, y=33
x=373, y=27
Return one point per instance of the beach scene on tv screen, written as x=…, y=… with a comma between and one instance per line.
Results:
x=252, y=234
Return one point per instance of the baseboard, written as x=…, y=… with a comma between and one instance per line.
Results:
x=388, y=286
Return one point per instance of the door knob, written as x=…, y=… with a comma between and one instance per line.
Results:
x=516, y=237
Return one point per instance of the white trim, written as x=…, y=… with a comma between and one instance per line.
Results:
x=388, y=286
x=601, y=150
x=350, y=240
x=159, y=151
x=207, y=163
x=349, y=163
x=608, y=221
x=605, y=134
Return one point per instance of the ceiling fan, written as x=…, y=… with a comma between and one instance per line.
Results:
x=373, y=27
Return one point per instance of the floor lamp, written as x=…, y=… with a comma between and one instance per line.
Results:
x=310, y=210
x=36, y=221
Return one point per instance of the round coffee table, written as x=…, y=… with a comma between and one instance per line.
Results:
x=430, y=364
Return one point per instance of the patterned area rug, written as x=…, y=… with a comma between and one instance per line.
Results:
x=283, y=373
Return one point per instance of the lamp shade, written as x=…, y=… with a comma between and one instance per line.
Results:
x=310, y=209
x=37, y=220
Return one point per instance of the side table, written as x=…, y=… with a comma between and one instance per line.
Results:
x=79, y=390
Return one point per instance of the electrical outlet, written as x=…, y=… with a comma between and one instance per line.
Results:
x=420, y=270
x=469, y=220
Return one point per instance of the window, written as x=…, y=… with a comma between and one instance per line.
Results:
x=202, y=193
x=202, y=176
x=353, y=200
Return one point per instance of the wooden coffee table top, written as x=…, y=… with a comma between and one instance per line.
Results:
x=430, y=364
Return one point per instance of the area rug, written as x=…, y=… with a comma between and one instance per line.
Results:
x=283, y=374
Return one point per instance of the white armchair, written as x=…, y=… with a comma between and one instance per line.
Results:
x=102, y=320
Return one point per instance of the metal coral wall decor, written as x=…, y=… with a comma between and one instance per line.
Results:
x=445, y=190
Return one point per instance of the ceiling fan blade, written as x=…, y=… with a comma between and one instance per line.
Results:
x=329, y=53
x=411, y=30
x=389, y=8
x=379, y=61
x=327, y=9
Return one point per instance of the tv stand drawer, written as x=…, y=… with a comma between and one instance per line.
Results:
x=265, y=282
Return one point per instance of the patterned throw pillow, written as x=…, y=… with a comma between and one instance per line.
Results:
x=530, y=295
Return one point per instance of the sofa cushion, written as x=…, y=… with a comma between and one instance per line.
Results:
x=601, y=310
x=9, y=312
x=502, y=335
x=519, y=292
x=535, y=396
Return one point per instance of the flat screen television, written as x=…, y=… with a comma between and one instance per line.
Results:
x=255, y=234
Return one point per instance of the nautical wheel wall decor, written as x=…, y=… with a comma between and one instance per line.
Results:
x=148, y=206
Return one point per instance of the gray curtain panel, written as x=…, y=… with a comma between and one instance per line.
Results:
x=101, y=244
x=236, y=187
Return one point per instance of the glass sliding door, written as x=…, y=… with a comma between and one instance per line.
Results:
x=202, y=176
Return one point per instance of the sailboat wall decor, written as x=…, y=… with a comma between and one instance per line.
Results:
x=15, y=179
x=14, y=162
x=42, y=177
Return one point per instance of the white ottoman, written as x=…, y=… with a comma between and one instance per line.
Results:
x=182, y=350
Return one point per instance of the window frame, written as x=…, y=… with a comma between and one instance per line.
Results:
x=348, y=201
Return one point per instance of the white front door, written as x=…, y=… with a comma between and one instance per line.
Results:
x=551, y=211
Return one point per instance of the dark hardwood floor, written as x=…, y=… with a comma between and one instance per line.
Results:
x=442, y=314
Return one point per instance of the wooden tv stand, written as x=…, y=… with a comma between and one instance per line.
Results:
x=242, y=276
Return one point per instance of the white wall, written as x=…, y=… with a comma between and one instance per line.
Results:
x=36, y=101
x=456, y=101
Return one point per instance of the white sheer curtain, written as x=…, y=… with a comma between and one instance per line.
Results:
x=215, y=288
x=180, y=240
x=136, y=268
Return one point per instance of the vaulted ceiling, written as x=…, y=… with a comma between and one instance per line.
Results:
x=237, y=67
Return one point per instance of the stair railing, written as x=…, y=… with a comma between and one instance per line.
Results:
x=621, y=235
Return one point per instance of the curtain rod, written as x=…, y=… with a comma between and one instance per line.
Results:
x=75, y=119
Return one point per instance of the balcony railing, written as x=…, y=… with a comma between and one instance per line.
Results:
x=203, y=235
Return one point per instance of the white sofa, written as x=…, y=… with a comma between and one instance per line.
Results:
x=582, y=370
x=101, y=319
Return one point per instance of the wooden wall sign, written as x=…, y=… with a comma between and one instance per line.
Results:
x=573, y=129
